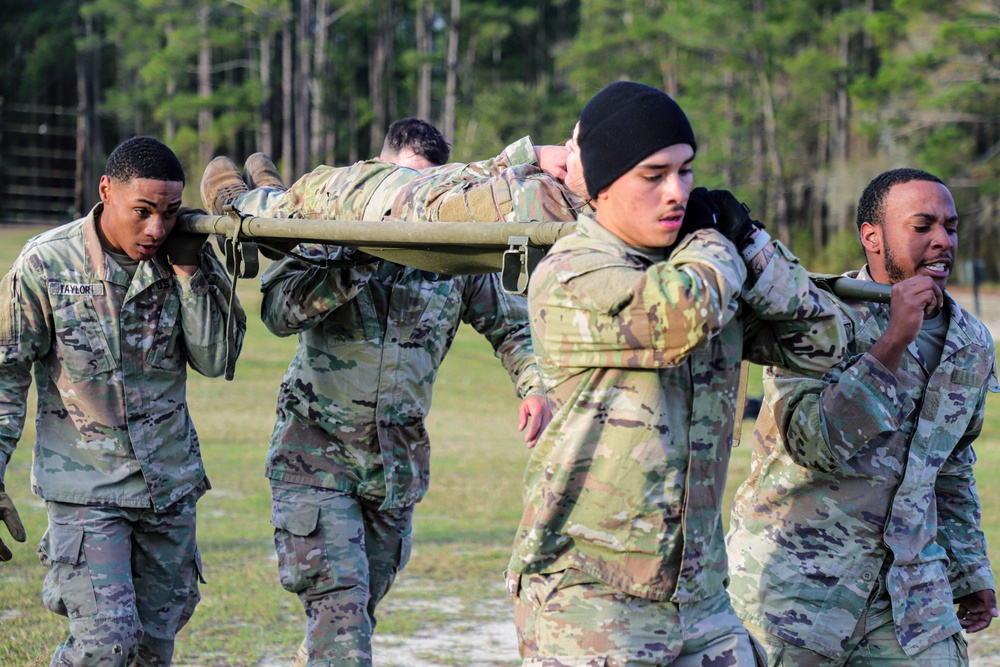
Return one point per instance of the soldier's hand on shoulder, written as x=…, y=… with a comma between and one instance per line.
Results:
x=734, y=218
x=10, y=517
x=182, y=248
x=700, y=213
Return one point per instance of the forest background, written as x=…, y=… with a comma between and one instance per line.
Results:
x=797, y=104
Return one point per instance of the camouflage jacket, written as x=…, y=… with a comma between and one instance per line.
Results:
x=110, y=356
x=642, y=359
x=372, y=335
x=860, y=470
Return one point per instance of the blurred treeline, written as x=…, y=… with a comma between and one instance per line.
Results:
x=796, y=103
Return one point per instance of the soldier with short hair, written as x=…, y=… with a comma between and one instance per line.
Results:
x=111, y=309
x=414, y=143
x=640, y=321
x=350, y=455
x=858, y=529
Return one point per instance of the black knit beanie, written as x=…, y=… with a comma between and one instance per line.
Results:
x=624, y=123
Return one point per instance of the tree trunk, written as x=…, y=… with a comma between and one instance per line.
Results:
x=425, y=46
x=304, y=76
x=379, y=75
x=320, y=74
x=205, y=146
x=842, y=96
x=451, y=80
x=169, y=122
x=287, y=103
x=376, y=68
x=732, y=116
x=88, y=144
x=265, y=131
x=392, y=96
x=773, y=154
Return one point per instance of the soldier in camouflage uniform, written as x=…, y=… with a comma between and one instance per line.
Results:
x=640, y=322
x=111, y=309
x=349, y=456
x=858, y=529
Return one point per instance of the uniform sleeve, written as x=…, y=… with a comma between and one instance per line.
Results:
x=794, y=324
x=825, y=421
x=607, y=311
x=205, y=316
x=521, y=152
x=299, y=295
x=960, y=514
x=503, y=319
x=25, y=336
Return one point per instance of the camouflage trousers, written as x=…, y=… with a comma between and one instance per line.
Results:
x=569, y=619
x=126, y=578
x=340, y=554
x=872, y=644
x=266, y=201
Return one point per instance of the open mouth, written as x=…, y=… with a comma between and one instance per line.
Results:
x=938, y=267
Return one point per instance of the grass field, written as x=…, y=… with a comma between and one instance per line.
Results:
x=463, y=531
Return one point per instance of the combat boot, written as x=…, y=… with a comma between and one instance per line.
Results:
x=221, y=184
x=259, y=172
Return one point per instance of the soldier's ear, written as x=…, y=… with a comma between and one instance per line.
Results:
x=104, y=189
x=872, y=238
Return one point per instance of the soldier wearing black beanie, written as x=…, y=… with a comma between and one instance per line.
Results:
x=640, y=320
x=624, y=123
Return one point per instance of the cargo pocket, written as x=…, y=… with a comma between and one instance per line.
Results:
x=193, y=593
x=68, y=589
x=297, y=542
x=405, y=550
x=481, y=202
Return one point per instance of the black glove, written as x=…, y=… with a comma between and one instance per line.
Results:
x=700, y=213
x=184, y=248
x=8, y=514
x=734, y=218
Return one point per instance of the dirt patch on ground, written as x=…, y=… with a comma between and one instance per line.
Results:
x=461, y=642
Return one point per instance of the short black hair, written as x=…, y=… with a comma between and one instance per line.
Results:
x=143, y=157
x=871, y=206
x=421, y=136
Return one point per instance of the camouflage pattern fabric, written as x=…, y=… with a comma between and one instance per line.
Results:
x=126, y=578
x=569, y=619
x=111, y=358
x=372, y=335
x=352, y=405
x=858, y=470
x=641, y=354
x=340, y=554
x=509, y=187
x=872, y=644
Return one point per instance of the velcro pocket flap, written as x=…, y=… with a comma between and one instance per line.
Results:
x=296, y=518
x=64, y=543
